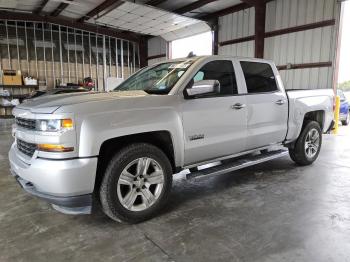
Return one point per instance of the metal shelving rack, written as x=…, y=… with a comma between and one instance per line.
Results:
x=16, y=92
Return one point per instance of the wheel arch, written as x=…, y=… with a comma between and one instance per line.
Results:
x=161, y=139
x=317, y=116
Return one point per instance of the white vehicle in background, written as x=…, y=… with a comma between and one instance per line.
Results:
x=124, y=146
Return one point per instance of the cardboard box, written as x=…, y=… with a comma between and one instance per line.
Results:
x=11, y=77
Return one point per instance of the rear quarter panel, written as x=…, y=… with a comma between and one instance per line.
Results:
x=303, y=101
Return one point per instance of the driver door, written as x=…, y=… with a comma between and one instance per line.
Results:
x=213, y=125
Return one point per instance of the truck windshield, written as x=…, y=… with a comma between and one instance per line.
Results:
x=158, y=79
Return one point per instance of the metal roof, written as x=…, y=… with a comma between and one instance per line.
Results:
x=175, y=14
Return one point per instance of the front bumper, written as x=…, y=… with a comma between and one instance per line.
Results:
x=64, y=183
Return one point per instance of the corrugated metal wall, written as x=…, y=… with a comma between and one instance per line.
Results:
x=157, y=46
x=234, y=26
x=310, y=46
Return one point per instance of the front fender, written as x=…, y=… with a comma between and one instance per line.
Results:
x=99, y=127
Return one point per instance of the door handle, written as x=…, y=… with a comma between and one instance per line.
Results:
x=280, y=102
x=238, y=106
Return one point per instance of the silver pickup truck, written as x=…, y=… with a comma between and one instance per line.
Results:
x=121, y=148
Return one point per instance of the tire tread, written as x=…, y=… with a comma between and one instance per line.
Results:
x=297, y=153
x=114, y=211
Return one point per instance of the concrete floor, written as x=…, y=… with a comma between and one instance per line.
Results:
x=275, y=211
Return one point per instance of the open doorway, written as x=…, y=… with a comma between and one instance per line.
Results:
x=200, y=44
x=344, y=56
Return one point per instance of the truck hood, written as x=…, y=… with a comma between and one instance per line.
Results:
x=49, y=104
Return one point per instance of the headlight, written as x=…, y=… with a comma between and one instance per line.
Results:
x=54, y=125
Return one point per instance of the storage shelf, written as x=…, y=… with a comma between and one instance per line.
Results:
x=15, y=96
x=16, y=92
x=6, y=116
x=19, y=86
x=9, y=106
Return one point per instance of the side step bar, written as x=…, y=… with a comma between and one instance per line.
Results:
x=238, y=164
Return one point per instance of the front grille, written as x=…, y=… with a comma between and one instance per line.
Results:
x=26, y=148
x=26, y=123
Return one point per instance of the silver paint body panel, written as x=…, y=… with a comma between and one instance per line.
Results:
x=98, y=117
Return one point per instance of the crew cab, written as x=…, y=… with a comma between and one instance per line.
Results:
x=121, y=148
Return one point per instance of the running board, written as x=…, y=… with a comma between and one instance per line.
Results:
x=238, y=164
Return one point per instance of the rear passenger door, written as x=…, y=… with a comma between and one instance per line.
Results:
x=267, y=105
x=214, y=125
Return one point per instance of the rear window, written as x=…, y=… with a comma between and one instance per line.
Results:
x=259, y=77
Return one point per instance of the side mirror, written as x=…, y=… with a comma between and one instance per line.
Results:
x=204, y=87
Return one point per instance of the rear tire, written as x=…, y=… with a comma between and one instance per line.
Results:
x=136, y=184
x=308, y=145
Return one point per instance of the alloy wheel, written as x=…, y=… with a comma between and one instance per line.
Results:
x=312, y=143
x=140, y=184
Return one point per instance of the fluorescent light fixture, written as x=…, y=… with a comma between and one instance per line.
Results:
x=99, y=49
x=11, y=41
x=74, y=47
x=45, y=44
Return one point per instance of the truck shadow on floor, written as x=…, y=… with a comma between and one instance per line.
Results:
x=262, y=177
x=266, y=175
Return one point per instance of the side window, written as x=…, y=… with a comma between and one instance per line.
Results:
x=199, y=76
x=221, y=70
x=259, y=77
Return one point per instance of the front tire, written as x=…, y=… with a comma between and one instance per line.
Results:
x=136, y=184
x=308, y=145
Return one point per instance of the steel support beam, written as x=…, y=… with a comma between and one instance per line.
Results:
x=305, y=65
x=104, y=63
x=156, y=56
x=59, y=9
x=155, y=2
x=122, y=56
x=192, y=6
x=260, y=17
x=106, y=5
x=41, y=7
x=299, y=28
x=143, y=46
x=61, y=58
x=281, y=32
x=237, y=40
x=215, y=30
x=228, y=10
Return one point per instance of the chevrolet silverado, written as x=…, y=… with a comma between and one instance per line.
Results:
x=120, y=149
